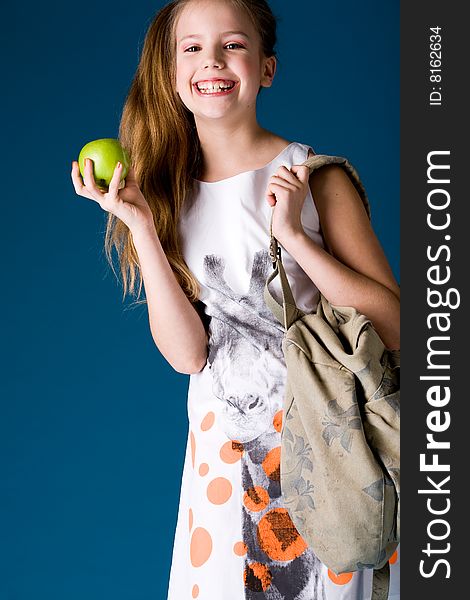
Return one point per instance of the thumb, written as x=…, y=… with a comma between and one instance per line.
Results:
x=302, y=172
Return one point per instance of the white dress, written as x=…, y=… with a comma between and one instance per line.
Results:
x=234, y=539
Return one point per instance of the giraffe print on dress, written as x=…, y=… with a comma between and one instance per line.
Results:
x=245, y=352
x=248, y=373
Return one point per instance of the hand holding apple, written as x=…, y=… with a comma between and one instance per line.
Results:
x=105, y=154
x=127, y=203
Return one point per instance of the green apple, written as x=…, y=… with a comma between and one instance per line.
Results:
x=105, y=154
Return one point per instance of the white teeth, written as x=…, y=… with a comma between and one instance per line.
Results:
x=207, y=87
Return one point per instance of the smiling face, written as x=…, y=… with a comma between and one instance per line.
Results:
x=219, y=62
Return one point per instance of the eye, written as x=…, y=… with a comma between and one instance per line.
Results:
x=233, y=46
x=192, y=49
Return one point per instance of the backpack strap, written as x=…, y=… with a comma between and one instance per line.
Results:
x=288, y=312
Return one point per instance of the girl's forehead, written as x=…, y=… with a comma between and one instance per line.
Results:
x=206, y=16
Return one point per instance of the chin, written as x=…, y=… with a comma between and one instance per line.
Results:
x=214, y=114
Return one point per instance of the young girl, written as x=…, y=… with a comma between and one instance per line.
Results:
x=192, y=224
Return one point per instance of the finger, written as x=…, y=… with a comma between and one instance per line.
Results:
x=77, y=181
x=275, y=190
x=76, y=170
x=288, y=175
x=76, y=177
x=89, y=180
x=271, y=198
x=283, y=183
x=113, y=188
x=302, y=172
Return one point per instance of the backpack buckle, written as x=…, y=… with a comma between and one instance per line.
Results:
x=274, y=251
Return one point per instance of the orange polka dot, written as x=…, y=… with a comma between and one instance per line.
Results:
x=200, y=547
x=231, y=452
x=195, y=591
x=257, y=577
x=203, y=469
x=341, y=579
x=277, y=421
x=208, y=421
x=190, y=519
x=256, y=498
x=193, y=447
x=278, y=537
x=240, y=548
x=271, y=464
x=219, y=490
x=393, y=559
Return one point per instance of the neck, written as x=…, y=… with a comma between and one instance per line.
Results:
x=229, y=148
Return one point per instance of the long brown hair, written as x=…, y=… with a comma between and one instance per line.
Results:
x=160, y=134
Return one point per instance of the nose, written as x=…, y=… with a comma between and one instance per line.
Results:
x=253, y=401
x=213, y=60
x=213, y=64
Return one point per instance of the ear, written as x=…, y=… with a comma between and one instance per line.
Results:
x=268, y=71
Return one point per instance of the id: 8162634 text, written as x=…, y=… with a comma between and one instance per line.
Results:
x=435, y=66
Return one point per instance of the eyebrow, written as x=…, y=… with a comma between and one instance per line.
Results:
x=195, y=35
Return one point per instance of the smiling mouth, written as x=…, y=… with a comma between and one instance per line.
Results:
x=214, y=87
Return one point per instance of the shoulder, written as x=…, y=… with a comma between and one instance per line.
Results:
x=332, y=178
x=346, y=227
x=336, y=198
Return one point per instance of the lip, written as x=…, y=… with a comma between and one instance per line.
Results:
x=214, y=94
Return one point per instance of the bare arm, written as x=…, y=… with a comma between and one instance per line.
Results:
x=365, y=275
x=355, y=271
x=175, y=324
x=343, y=286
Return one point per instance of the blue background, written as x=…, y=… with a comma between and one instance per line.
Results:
x=93, y=421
